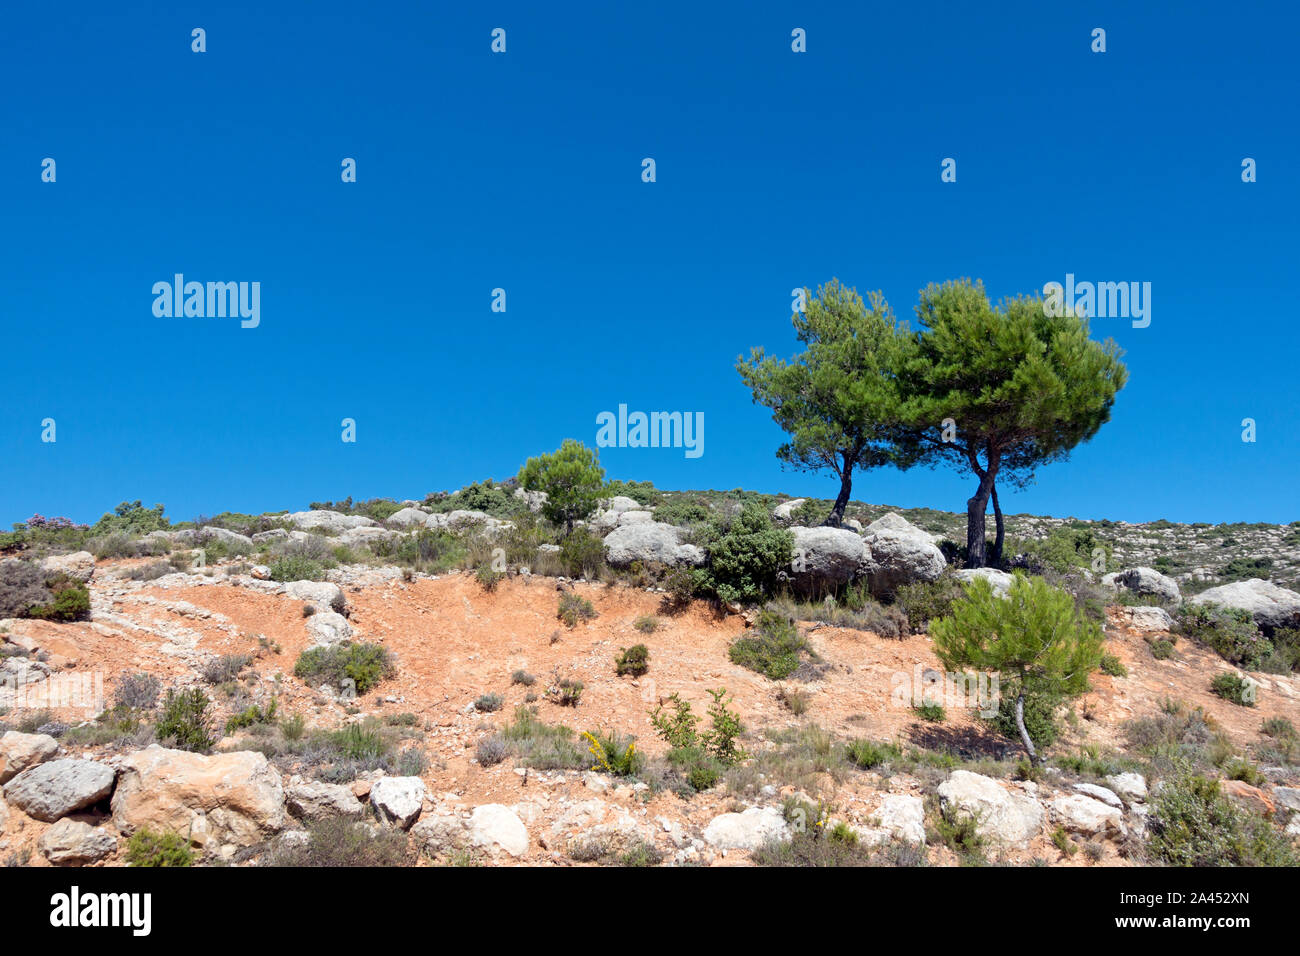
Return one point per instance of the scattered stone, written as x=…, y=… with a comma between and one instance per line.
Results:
x=398, y=800
x=71, y=843
x=18, y=752
x=52, y=790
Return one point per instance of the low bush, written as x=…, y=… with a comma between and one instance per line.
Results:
x=220, y=670
x=1231, y=632
x=634, y=660
x=340, y=842
x=365, y=665
x=137, y=690
x=773, y=647
x=185, y=721
x=1234, y=688
x=296, y=568
x=574, y=609
x=1194, y=824
x=747, y=553
x=614, y=754
x=489, y=703
x=926, y=601
x=151, y=848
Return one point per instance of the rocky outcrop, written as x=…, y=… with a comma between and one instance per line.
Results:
x=748, y=830
x=409, y=518
x=1144, y=581
x=397, y=800
x=328, y=628
x=785, y=511
x=1271, y=606
x=901, y=817
x=1000, y=581
x=72, y=843
x=825, y=558
x=492, y=828
x=1147, y=620
x=899, y=553
x=313, y=800
x=223, y=799
x=52, y=790
x=18, y=752
x=651, y=541
x=1001, y=816
x=80, y=565
x=1079, y=813
x=319, y=594
x=328, y=520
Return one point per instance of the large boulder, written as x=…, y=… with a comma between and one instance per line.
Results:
x=328, y=520
x=328, y=628
x=1145, y=581
x=223, y=799
x=408, y=518
x=80, y=565
x=899, y=553
x=826, y=558
x=361, y=537
x=1148, y=620
x=398, y=800
x=225, y=536
x=1080, y=813
x=1000, y=581
x=1131, y=787
x=492, y=828
x=71, y=843
x=319, y=594
x=1271, y=606
x=748, y=830
x=1001, y=815
x=901, y=817
x=52, y=790
x=19, y=751
x=650, y=541
x=313, y=800
x=786, y=509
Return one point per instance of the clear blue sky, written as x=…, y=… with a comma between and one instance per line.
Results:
x=523, y=171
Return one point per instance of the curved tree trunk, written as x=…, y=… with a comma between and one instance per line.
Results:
x=995, y=558
x=836, y=517
x=976, y=506
x=1020, y=724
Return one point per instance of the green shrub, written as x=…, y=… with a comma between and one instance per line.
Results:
x=487, y=578
x=1231, y=632
x=1234, y=688
x=71, y=603
x=542, y=746
x=341, y=842
x=773, y=648
x=1041, y=706
x=360, y=742
x=614, y=753
x=22, y=587
x=867, y=754
x=364, y=664
x=574, y=609
x=1112, y=665
x=149, y=848
x=634, y=660
x=931, y=711
x=1194, y=824
x=1161, y=649
x=646, y=624
x=185, y=720
x=253, y=716
x=746, y=553
x=1066, y=548
x=523, y=677
x=489, y=703
x=926, y=601
x=682, y=512
x=296, y=568
x=582, y=554
x=724, y=727
x=566, y=692
x=573, y=481
x=677, y=726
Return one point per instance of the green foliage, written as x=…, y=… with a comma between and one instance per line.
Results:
x=489, y=703
x=488, y=578
x=926, y=601
x=634, y=660
x=22, y=587
x=296, y=568
x=582, y=554
x=131, y=518
x=1023, y=385
x=1231, y=632
x=185, y=720
x=150, y=848
x=540, y=745
x=773, y=646
x=429, y=549
x=646, y=624
x=71, y=602
x=868, y=754
x=1243, y=569
x=931, y=711
x=574, y=609
x=488, y=497
x=1112, y=665
x=1035, y=639
x=342, y=843
x=677, y=726
x=1234, y=688
x=566, y=691
x=720, y=739
x=364, y=664
x=614, y=754
x=837, y=398
x=1066, y=548
x=746, y=554
x=1194, y=824
x=683, y=512
x=572, y=479
x=253, y=716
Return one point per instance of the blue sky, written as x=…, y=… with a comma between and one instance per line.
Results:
x=523, y=171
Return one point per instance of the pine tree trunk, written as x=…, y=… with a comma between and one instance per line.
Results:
x=836, y=518
x=995, y=559
x=976, y=506
x=1020, y=724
